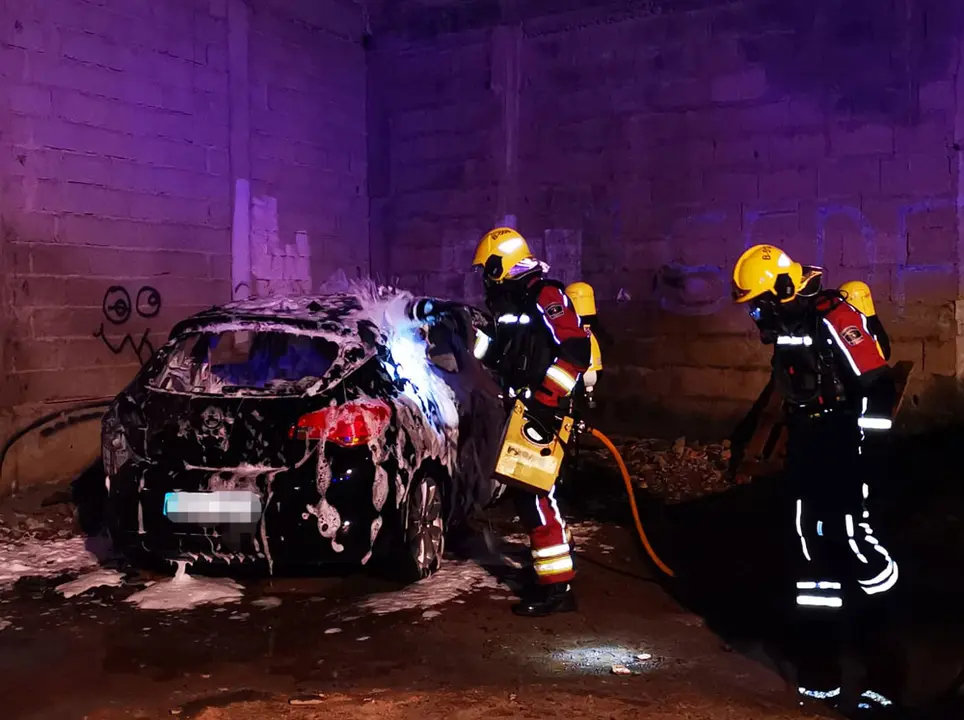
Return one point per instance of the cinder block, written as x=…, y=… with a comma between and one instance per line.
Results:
x=76, y=107
x=27, y=227
x=50, y=385
x=13, y=63
x=934, y=136
x=87, y=169
x=94, y=50
x=848, y=177
x=940, y=357
x=781, y=185
x=699, y=381
x=29, y=100
x=918, y=176
x=937, y=95
x=740, y=87
x=170, y=154
x=864, y=140
x=70, y=260
x=59, y=323
x=29, y=35
x=169, y=71
x=219, y=267
x=104, y=232
x=162, y=208
x=917, y=321
x=745, y=384
x=57, y=292
x=731, y=187
x=217, y=162
x=34, y=355
x=909, y=350
x=218, y=9
x=211, y=79
x=738, y=121
x=745, y=153
x=932, y=236
x=793, y=149
x=780, y=228
x=19, y=162
x=930, y=287
x=182, y=183
x=81, y=199
x=473, y=115
x=46, y=69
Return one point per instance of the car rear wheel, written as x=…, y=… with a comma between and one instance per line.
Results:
x=423, y=526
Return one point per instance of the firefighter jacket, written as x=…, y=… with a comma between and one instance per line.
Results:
x=827, y=358
x=536, y=343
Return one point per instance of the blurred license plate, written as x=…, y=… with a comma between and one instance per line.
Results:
x=213, y=508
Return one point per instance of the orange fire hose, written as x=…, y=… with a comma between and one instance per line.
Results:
x=632, y=501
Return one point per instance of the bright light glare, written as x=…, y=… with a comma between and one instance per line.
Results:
x=601, y=658
x=423, y=386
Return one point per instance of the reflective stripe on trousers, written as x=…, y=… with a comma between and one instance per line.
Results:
x=549, y=539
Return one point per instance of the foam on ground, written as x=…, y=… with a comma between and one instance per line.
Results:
x=185, y=592
x=98, y=578
x=451, y=581
x=43, y=558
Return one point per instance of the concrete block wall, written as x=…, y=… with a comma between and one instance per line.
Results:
x=119, y=152
x=308, y=138
x=434, y=176
x=672, y=138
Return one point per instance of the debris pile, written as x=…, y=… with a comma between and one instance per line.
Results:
x=674, y=471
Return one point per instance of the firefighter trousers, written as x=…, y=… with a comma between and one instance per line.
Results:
x=549, y=538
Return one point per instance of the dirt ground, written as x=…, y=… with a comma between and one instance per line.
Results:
x=696, y=647
x=94, y=656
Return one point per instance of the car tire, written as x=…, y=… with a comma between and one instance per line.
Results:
x=423, y=528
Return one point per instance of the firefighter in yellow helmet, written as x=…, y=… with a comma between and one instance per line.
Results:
x=538, y=347
x=830, y=365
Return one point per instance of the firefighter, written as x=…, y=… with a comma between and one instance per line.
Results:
x=539, y=349
x=830, y=365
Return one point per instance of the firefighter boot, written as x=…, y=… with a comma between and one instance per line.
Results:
x=547, y=600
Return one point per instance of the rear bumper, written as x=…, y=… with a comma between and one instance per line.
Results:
x=288, y=532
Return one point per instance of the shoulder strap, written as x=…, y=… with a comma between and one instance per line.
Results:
x=536, y=287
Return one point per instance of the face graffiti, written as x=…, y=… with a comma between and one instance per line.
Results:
x=117, y=309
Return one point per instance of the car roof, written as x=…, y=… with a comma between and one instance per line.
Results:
x=338, y=314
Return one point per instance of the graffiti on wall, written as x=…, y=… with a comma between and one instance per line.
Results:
x=688, y=288
x=118, y=309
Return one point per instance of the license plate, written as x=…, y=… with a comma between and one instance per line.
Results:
x=223, y=507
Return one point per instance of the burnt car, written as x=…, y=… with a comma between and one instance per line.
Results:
x=308, y=430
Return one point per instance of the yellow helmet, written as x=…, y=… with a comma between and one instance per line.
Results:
x=858, y=294
x=500, y=251
x=767, y=269
x=583, y=298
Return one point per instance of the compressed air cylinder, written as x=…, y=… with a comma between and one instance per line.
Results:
x=584, y=303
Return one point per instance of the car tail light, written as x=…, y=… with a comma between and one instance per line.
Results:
x=347, y=425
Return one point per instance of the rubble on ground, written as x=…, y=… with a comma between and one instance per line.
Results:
x=37, y=513
x=674, y=471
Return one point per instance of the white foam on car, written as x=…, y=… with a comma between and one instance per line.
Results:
x=453, y=580
x=104, y=577
x=43, y=558
x=185, y=592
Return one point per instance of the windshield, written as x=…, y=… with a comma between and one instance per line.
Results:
x=238, y=361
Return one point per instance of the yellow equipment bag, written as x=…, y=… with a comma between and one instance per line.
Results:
x=528, y=459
